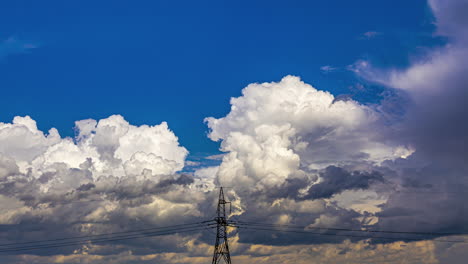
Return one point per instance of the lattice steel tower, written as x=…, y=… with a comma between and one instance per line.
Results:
x=221, y=249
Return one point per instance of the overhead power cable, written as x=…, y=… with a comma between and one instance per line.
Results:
x=349, y=229
x=104, y=234
x=251, y=227
x=99, y=241
x=104, y=240
x=103, y=237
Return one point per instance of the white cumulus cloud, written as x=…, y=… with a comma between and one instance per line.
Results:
x=110, y=146
x=277, y=131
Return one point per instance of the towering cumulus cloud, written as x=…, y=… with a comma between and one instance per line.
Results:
x=291, y=149
x=289, y=130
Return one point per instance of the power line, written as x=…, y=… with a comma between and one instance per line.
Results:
x=35, y=205
x=349, y=229
x=346, y=235
x=104, y=240
x=96, y=241
x=103, y=234
x=221, y=223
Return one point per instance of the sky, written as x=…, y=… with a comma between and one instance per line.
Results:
x=120, y=115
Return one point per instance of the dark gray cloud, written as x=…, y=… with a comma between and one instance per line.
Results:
x=451, y=19
x=75, y=204
x=432, y=182
x=336, y=180
x=328, y=182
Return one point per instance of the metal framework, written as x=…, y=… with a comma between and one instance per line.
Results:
x=221, y=248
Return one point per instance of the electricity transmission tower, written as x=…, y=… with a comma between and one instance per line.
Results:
x=221, y=248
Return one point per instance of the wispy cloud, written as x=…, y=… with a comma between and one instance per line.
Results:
x=328, y=69
x=215, y=157
x=371, y=34
x=13, y=45
x=192, y=163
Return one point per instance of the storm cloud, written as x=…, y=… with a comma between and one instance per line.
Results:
x=435, y=177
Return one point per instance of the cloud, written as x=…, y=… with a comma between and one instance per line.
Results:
x=346, y=252
x=192, y=163
x=288, y=129
x=435, y=175
x=111, y=175
x=328, y=69
x=371, y=34
x=336, y=180
x=215, y=157
x=290, y=148
x=279, y=141
x=12, y=45
x=450, y=17
x=110, y=146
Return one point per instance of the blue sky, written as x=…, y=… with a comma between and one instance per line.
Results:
x=181, y=61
